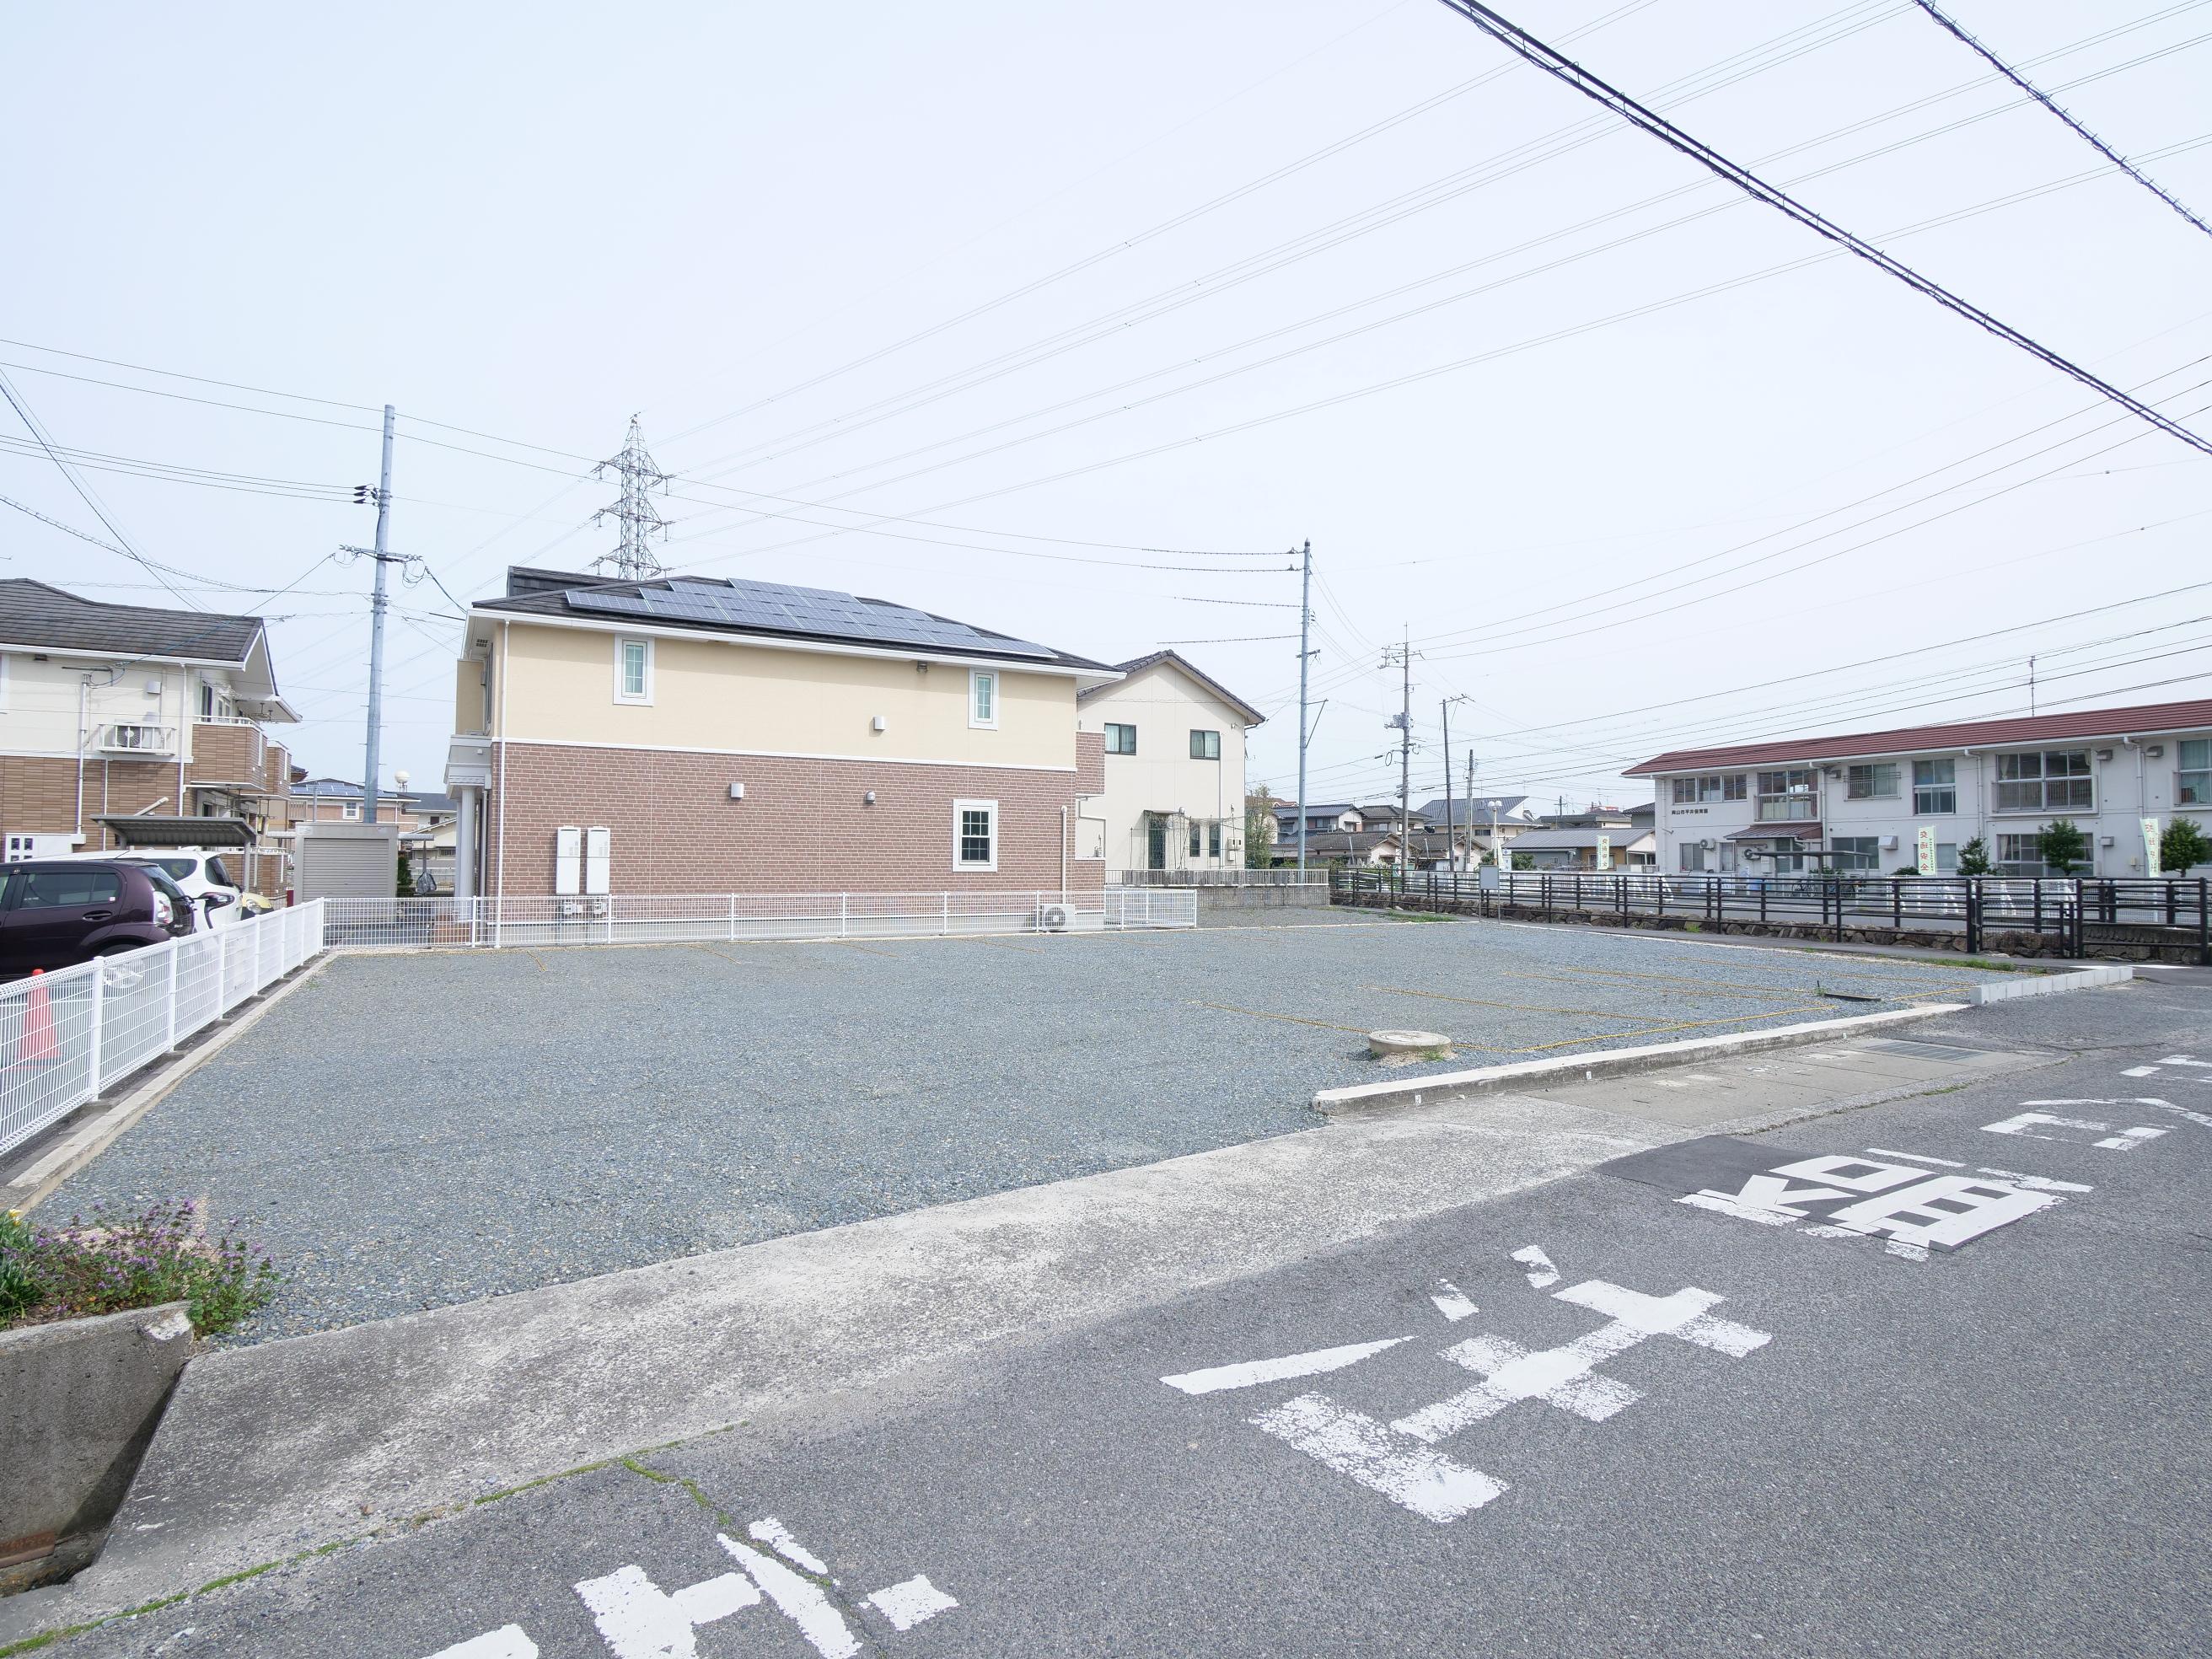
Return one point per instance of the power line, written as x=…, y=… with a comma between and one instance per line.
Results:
x=1565, y=70
x=2051, y=104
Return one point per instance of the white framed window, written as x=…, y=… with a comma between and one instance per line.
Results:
x=975, y=834
x=983, y=699
x=351, y=810
x=1120, y=740
x=1875, y=780
x=2054, y=780
x=1935, y=788
x=2193, y=781
x=633, y=671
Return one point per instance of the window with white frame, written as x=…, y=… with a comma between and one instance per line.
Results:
x=633, y=671
x=1692, y=856
x=1855, y=853
x=2049, y=781
x=1935, y=788
x=1947, y=858
x=982, y=698
x=1689, y=792
x=1872, y=780
x=2192, y=784
x=1120, y=740
x=1788, y=797
x=975, y=834
x=1205, y=746
x=350, y=808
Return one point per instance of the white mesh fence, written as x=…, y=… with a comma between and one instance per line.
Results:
x=528, y=922
x=68, y=1036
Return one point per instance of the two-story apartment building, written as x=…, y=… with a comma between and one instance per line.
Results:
x=1859, y=801
x=733, y=736
x=1173, y=743
x=111, y=713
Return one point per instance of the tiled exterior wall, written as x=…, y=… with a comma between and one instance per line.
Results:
x=225, y=754
x=1090, y=763
x=38, y=793
x=802, y=827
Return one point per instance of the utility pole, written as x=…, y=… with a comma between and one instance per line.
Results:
x=376, y=608
x=1403, y=720
x=1306, y=659
x=640, y=519
x=1451, y=852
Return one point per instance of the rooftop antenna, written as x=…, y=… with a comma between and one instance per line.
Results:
x=640, y=519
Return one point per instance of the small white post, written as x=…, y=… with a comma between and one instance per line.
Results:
x=99, y=1007
x=734, y=918
x=945, y=927
x=254, y=984
x=175, y=949
x=222, y=972
x=843, y=913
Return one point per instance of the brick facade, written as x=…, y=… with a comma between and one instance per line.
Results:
x=802, y=827
x=1090, y=763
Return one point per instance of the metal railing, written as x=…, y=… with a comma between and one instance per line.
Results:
x=2074, y=911
x=529, y=921
x=1269, y=878
x=68, y=1036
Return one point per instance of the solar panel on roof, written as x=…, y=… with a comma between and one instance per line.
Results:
x=778, y=608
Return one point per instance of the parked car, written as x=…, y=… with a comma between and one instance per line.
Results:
x=206, y=880
x=57, y=912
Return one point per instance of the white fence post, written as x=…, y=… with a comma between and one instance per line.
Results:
x=734, y=918
x=253, y=980
x=176, y=950
x=945, y=923
x=99, y=1014
x=222, y=972
x=844, y=915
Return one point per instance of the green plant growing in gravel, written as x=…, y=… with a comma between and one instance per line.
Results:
x=111, y=1263
x=2183, y=847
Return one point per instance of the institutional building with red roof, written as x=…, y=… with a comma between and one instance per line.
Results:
x=1868, y=800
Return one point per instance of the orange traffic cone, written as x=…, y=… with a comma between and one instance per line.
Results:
x=38, y=1047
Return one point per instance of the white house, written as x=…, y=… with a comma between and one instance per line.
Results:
x=1860, y=801
x=1174, y=794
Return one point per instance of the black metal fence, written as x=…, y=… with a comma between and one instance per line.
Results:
x=2074, y=914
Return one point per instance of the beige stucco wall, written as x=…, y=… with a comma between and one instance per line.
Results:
x=1166, y=707
x=559, y=685
x=39, y=701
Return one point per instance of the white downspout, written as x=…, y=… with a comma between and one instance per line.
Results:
x=1064, y=830
x=83, y=700
x=184, y=727
x=499, y=890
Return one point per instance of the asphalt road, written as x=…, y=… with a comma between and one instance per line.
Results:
x=1817, y=1442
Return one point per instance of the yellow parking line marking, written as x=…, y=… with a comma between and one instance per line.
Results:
x=1294, y=1019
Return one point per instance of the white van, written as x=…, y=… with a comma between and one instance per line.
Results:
x=205, y=878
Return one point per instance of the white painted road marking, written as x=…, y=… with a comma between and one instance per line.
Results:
x=1563, y=1376
x=772, y=1532
x=912, y=1602
x=1394, y=1459
x=798, y=1599
x=2141, y=1071
x=1542, y=1273
x=2185, y=1060
x=1426, y=1482
x=1452, y=1302
x=1215, y=1378
x=1917, y=1158
x=508, y=1642
x=639, y=1620
x=1909, y=1209
x=2033, y=1125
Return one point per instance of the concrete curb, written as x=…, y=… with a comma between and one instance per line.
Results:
x=1607, y=1063
x=2049, y=985
x=106, y=1125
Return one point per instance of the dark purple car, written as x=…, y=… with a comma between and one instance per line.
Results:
x=54, y=913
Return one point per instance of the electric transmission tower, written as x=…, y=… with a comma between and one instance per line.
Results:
x=640, y=519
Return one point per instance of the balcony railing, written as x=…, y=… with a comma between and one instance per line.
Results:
x=128, y=737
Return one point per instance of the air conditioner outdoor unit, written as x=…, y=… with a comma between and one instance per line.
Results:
x=1709, y=843
x=1052, y=918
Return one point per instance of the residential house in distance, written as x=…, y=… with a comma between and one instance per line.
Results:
x=1173, y=739
x=1578, y=847
x=697, y=736
x=1324, y=817
x=1858, y=801
x=1507, y=815
x=126, y=725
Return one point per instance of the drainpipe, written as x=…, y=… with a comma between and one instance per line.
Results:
x=83, y=697
x=184, y=729
x=1063, y=855
x=499, y=889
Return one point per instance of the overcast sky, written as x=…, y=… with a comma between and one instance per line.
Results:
x=1023, y=313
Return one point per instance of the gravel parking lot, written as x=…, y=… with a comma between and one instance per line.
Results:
x=406, y=1131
